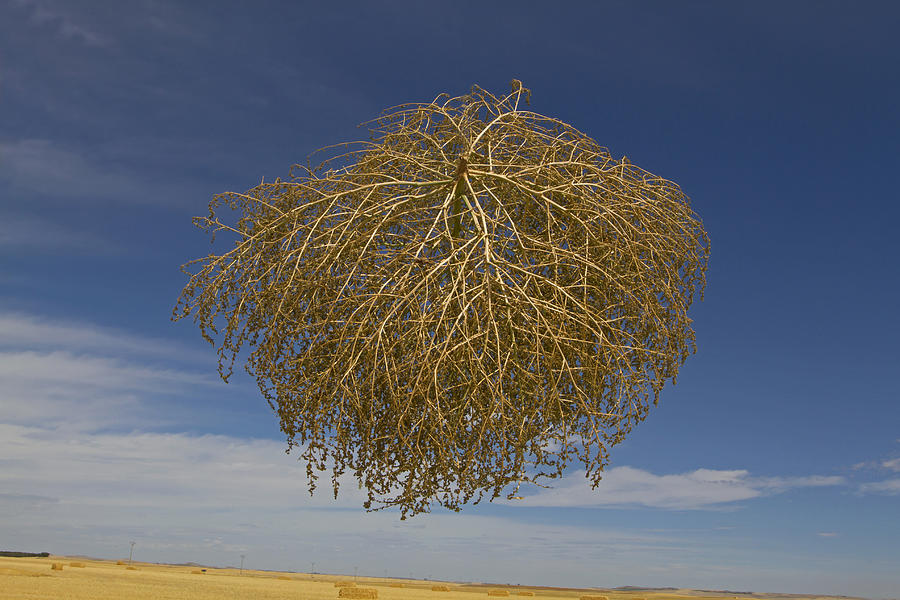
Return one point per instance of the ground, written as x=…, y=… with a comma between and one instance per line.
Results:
x=89, y=579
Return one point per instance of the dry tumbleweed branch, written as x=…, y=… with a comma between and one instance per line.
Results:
x=471, y=299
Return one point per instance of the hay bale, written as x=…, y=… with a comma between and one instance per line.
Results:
x=396, y=585
x=589, y=597
x=524, y=593
x=131, y=568
x=196, y=572
x=358, y=593
x=440, y=588
x=56, y=567
x=343, y=584
x=77, y=564
x=498, y=593
x=120, y=562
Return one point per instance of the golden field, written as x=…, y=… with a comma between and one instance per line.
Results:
x=87, y=579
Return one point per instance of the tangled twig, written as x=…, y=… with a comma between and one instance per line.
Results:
x=467, y=301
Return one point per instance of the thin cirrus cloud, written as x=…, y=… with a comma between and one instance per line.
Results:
x=55, y=373
x=893, y=464
x=81, y=376
x=62, y=389
x=47, y=169
x=40, y=235
x=212, y=497
x=701, y=489
x=82, y=464
x=889, y=487
x=65, y=368
x=24, y=331
x=160, y=469
x=49, y=15
x=42, y=170
x=886, y=487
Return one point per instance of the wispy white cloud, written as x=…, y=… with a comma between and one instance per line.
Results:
x=890, y=487
x=827, y=534
x=699, y=489
x=50, y=14
x=81, y=376
x=86, y=393
x=163, y=470
x=65, y=368
x=890, y=464
x=50, y=169
x=211, y=497
x=82, y=471
x=40, y=235
x=42, y=170
x=893, y=464
x=25, y=331
x=170, y=19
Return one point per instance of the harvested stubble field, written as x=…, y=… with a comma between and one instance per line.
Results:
x=33, y=578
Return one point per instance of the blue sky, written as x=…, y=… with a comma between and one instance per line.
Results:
x=773, y=464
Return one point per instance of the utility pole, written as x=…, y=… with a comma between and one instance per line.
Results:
x=242, y=563
x=312, y=570
x=130, y=554
x=355, y=569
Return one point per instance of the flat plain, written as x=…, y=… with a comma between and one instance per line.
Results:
x=89, y=579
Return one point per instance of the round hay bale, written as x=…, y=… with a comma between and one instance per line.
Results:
x=342, y=584
x=120, y=562
x=79, y=565
x=524, y=593
x=197, y=572
x=131, y=568
x=396, y=585
x=284, y=578
x=498, y=593
x=358, y=593
x=440, y=588
x=56, y=567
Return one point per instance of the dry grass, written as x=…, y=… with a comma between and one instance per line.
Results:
x=32, y=578
x=196, y=572
x=396, y=585
x=498, y=593
x=284, y=578
x=120, y=562
x=57, y=566
x=343, y=584
x=524, y=593
x=5, y=573
x=440, y=588
x=131, y=568
x=359, y=593
x=590, y=597
x=79, y=565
